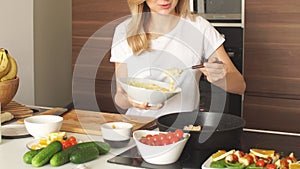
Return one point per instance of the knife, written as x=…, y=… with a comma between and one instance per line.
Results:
x=58, y=111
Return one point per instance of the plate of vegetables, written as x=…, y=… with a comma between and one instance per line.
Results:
x=67, y=141
x=254, y=159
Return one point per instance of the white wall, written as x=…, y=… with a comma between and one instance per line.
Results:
x=16, y=35
x=38, y=33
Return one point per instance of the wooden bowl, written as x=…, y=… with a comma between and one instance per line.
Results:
x=8, y=90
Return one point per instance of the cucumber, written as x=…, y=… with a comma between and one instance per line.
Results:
x=62, y=157
x=82, y=155
x=28, y=156
x=102, y=147
x=45, y=155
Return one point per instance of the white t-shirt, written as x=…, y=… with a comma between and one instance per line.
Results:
x=182, y=47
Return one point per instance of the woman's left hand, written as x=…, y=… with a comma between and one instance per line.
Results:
x=214, y=70
x=145, y=106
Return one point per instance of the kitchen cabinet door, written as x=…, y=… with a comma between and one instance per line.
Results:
x=271, y=64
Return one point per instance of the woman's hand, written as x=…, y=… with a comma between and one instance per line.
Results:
x=220, y=71
x=142, y=106
x=145, y=106
x=214, y=70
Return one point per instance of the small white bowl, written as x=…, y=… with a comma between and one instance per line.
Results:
x=117, y=134
x=142, y=95
x=41, y=125
x=160, y=155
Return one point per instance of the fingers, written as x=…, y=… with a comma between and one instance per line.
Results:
x=145, y=106
x=214, y=70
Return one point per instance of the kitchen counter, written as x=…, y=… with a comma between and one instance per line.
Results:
x=12, y=150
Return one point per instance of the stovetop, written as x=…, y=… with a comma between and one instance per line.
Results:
x=189, y=159
x=192, y=158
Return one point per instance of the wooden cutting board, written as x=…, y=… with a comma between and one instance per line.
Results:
x=89, y=122
x=17, y=109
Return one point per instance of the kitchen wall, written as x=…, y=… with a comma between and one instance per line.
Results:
x=38, y=34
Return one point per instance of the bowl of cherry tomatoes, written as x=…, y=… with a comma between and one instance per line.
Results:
x=158, y=147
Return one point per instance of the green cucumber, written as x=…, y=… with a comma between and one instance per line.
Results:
x=28, y=156
x=82, y=155
x=45, y=155
x=102, y=147
x=62, y=157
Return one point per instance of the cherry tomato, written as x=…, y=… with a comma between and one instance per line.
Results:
x=170, y=135
x=164, y=142
x=250, y=158
x=151, y=142
x=66, y=144
x=161, y=137
x=174, y=140
x=154, y=138
x=71, y=138
x=158, y=143
x=260, y=163
x=178, y=133
x=239, y=153
x=271, y=166
x=284, y=163
x=148, y=136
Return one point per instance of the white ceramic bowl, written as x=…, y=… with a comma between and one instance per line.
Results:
x=41, y=125
x=160, y=155
x=117, y=134
x=142, y=95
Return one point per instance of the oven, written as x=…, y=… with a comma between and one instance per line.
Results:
x=233, y=102
x=218, y=10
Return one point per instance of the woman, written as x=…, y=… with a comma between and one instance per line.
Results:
x=162, y=34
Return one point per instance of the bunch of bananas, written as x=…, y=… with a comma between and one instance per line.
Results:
x=8, y=66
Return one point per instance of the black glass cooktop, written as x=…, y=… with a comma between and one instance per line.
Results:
x=189, y=159
x=192, y=158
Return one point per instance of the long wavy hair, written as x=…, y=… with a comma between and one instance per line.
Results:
x=137, y=38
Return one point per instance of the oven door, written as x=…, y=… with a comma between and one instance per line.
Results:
x=210, y=93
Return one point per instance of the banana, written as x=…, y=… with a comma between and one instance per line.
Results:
x=4, y=60
x=0, y=56
x=2, y=74
x=13, y=70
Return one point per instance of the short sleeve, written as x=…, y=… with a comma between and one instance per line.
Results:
x=120, y=49
x=212, y=38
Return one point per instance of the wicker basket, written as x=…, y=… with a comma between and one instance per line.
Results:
x=8, y=90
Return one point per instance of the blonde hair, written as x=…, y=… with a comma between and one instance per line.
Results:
x=137, y=38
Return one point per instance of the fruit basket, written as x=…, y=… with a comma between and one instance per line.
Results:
x=9, y=81
x=8, y=90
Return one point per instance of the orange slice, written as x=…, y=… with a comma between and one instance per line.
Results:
x=262, y=153
x=294, y=166
x=220, y=154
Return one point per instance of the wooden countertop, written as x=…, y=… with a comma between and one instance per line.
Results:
x=89, y=122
